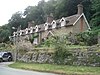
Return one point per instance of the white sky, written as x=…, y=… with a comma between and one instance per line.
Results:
x=9, y=7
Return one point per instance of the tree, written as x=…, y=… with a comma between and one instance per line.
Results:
x=72, y=7
x=4, y=34
x=16, y=19
x=49, y=7
x=35, y=13
x=60, y=9
x=95, y=22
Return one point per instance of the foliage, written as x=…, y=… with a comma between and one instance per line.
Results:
x=48, y=42
x=4, y=34
x=88, y=38
x=95, y=21
x=61, y=52
x=59, y=9
x=31, y=39
x=93, y=58
x=5, y=47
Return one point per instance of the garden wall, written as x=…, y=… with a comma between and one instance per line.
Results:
x=80, y=56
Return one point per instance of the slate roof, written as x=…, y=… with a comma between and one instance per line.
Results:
x=69, y=19
x=72, y=19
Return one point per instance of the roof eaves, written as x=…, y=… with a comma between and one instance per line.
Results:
x=84, y=18
x=78, y=19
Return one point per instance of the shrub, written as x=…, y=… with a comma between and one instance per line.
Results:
x=89, y=38
x=61, y=52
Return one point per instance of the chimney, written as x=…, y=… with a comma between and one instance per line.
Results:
x=80, y=9
x=30, y=24
x=49, y=18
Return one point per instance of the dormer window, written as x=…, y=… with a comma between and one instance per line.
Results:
x=63, y=21
x=36, y=28
x=53, y=24
x=46, y=26
x=14, y=34
x=31, y=30
x=26, y=31
x=20, y=32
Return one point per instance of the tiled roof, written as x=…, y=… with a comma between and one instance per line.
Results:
x=70, y=19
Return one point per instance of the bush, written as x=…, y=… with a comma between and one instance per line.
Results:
x=61, y=52
x=89, y=38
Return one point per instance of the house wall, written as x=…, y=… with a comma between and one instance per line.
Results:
x=80, y=26
x=44, y=34
x=62, y=31
x=58, y=32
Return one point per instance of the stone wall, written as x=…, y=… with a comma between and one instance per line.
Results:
x=37, y=57
x=80, y=56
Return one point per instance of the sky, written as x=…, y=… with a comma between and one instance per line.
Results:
x=9, y=7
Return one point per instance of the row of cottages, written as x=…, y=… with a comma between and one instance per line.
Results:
x=73, y=24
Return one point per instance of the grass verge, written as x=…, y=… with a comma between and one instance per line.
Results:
x=60, y=69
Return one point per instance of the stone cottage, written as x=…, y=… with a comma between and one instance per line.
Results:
x=72, y=24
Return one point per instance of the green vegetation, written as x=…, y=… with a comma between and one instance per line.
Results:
x=61, y=51
x=37, y=14
x=95, y=21
x=88, y=38
x=6, y=47
x=63, y=69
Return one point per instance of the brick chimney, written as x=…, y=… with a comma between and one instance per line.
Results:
x=80, y=9
x=49, y=18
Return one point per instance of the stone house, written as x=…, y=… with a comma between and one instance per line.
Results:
x=72, y=24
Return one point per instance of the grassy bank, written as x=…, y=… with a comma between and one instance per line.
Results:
x=62, y=69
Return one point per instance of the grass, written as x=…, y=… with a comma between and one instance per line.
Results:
x=51, y=49
x=60, y=69
x=76, y=46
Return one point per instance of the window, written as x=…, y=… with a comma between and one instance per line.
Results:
x=63, y=22
x=5, y=55
x=53, y=22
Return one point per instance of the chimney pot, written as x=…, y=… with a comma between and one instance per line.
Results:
x=80, y=9
x=30, y=24
x=49, y=18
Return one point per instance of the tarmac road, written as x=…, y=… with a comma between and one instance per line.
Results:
x=5, y=70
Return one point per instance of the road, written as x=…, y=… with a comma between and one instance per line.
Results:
x=5, y=70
